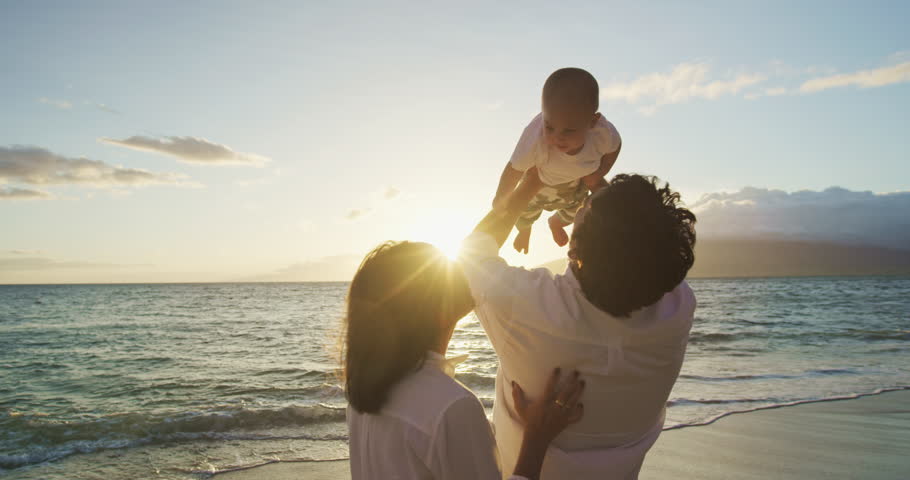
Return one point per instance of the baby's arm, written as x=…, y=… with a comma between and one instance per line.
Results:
x=596, y=180
x=507, y=181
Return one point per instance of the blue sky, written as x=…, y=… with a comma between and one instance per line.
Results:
x=301, y=135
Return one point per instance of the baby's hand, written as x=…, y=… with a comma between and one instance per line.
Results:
x=594, y=181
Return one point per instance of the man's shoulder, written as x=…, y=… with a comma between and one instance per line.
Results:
x=676, y=309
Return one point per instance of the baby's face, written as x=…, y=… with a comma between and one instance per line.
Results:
x=565, y=128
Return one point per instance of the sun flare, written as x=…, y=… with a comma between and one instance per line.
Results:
x=446, y=233
x=449, y=248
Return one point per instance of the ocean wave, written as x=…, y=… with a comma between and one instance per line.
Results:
x=323, y=392
x=716, y=401
x=880, y=334
x=51, y=439
x=476, y=380
x=209, y=473
x=774, y=405
x=736, y=377
x=697, y=338
x=772, y=376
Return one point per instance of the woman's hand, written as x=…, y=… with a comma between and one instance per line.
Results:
x=556, y=409
x=545, y=419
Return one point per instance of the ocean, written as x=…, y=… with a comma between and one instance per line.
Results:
x=183, y=381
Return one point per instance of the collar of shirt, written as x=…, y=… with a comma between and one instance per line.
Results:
x=447, y=365
x=570, y=276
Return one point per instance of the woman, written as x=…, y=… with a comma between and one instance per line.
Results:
x=408, y=418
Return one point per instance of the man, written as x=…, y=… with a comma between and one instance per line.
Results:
x=620, y=314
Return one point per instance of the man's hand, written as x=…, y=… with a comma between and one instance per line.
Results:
x=499, y=222
x=526, y=190
x=507, y=182
x=500, y=202
x=594, y=182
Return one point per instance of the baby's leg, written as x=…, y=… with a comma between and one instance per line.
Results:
x=522, y=240
x=572, y=199
x=558, y=226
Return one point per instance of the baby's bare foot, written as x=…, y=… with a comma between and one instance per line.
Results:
x=558, y=228
x=522, y=240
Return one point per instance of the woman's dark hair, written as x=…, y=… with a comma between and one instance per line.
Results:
x=398, y=303
x=634, y=244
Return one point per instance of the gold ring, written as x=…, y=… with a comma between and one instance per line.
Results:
x=560, y=403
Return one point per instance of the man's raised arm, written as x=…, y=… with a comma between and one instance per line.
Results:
x=499, y=222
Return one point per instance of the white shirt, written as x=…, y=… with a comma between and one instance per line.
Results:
x=431, y=427
x=555, y=167
x=537, y=321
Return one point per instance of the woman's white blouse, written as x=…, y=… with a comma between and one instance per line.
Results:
x=431, y=427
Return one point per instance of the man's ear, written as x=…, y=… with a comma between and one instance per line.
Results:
x=595, y=119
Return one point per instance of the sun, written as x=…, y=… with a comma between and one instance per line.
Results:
x=449, y=248
x=445, y=232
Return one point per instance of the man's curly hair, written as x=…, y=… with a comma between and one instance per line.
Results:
x=634, y=244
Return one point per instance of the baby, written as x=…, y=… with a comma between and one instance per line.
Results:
x=572, y=145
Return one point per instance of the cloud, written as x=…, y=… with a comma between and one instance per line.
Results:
x=687, y=81
x=12, y=193
x=878, y=77
x=45, y=263
x=190, y=150
x=775, y=91
x=24, y=252
x=496, y=105
x=767, y=92
x=833, y=215
x=357, y=213
x=391, y=193
x=103, y=107
x=61, y=104
x=38, y=166
x=690, y=81
x=378, y=199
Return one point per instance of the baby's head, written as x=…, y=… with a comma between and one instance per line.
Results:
x=569, y=104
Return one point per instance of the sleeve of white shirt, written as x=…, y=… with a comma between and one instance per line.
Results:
x=463, y=444
x=526, y=152
x=492, y=281
x=607, y=137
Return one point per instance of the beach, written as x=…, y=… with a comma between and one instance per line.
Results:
x=862, y=438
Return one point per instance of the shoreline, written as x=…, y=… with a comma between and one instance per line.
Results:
x=859, y=436
x=855, y=396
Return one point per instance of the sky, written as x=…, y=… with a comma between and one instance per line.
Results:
x=235, y=141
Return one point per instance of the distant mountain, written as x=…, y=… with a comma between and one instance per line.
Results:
x=732, y=257
x=338, y=268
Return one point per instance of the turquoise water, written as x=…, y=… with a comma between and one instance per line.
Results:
x=181, y=381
